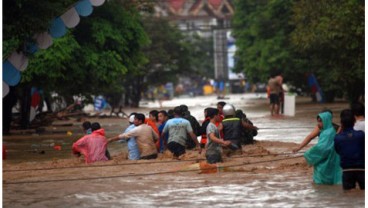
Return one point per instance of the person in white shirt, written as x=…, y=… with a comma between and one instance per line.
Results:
x=358, y=111
x=145, y=136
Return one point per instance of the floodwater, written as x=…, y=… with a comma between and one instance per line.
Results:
x=180, y=189
x=184, y=190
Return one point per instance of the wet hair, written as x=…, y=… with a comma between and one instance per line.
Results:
x=184, y=108
x=140, y=117
x=358, y=109
x=170, y=113
x=154, y=113
x=95, y=126
x=178, y=111
x=222, y=103
x=212, y=112
x=86, y=125
x=164, y=113
x=347, y=118
x=319, y=118
x=205, y=111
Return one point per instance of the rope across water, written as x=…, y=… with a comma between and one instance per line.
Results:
x=144, y=174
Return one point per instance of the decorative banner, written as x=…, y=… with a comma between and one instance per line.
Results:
x=44, y=40
x=18, y=60
x=70, y=18
x=97, y=2
x=84, y=8
x=11, y=75
x=5, y=89
x=57, y=29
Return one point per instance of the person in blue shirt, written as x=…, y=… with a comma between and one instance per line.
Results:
x=162, y=118
x=133, y=151
x=178, y=129
x=349, y=144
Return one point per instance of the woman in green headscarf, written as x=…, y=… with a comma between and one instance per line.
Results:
x=323, y=155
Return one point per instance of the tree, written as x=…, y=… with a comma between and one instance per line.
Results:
x=261, y=31
x=302, y=37
x=24, y=18
x=170, y=54
x=332, y=34
x=93, y=58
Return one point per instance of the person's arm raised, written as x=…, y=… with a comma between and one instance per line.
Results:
x=307, y=139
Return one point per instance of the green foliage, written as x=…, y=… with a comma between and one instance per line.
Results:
x=94, y=57
x=261, y=31
x=167, y=54
x=202, y=57
x=300, y=37
x=24, y=18
x=332, y=33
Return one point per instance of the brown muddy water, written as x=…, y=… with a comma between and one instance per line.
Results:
x=37, y=175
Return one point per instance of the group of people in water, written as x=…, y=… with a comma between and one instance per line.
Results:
x=224, y=129
x=338, y=157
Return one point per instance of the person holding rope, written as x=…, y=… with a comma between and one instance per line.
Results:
x=232, y=128
x=163, y=117
x=322, y=156
x=178, y=129
x=214, y=142
x=349, y=144
x=133, y=150
x=93, y=146
x=145, y=136
x=314, y=133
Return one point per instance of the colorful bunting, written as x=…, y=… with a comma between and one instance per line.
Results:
x=11, y=75
x=19, y=61
x=43, y=40
x=5, y=89
x=58, y=28
x=70, y=18
x=84, y=8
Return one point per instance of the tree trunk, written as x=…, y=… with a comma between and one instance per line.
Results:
x=25, y=101
x=9, y=102
x=136, y=91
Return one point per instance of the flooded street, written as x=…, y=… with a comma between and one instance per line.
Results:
x=266, y=175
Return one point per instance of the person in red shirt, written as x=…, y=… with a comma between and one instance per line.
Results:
x=220, y=107
x=203, y=129
x=92, y=146
x=152, y=124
